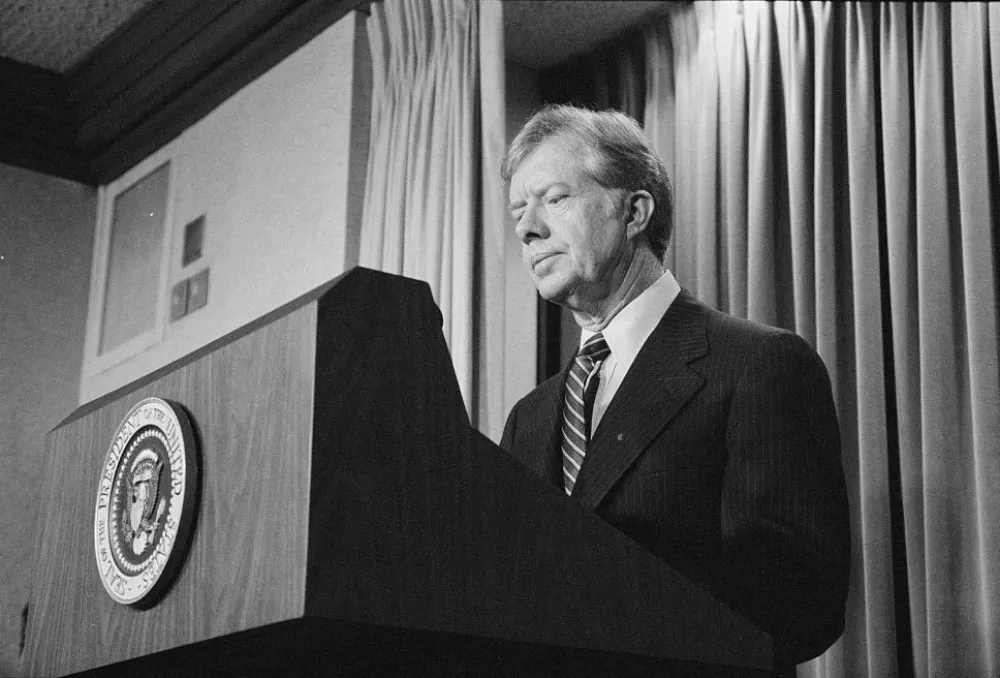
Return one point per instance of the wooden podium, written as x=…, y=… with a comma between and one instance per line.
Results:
x=351, y=522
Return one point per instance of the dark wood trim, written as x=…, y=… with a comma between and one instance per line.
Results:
x=37, y=127
x=137, y=48
x=103, y=119
x=189, y=105
x=155, y=76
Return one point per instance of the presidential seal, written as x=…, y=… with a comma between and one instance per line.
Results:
x=145, y=502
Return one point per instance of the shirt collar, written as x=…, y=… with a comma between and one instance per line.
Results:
x=629, y=329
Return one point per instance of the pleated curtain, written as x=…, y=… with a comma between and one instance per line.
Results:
x=434, y=204
x=836, y=173
x=420, y=210
x=610, y=77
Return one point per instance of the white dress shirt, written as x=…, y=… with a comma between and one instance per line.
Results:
x=625, y=334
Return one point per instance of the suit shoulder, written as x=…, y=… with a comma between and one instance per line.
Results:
x=751, y=337
x=538, y=393
x=527, y=404
x=724, y=324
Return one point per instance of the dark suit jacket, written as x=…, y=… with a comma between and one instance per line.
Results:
x=720, y=453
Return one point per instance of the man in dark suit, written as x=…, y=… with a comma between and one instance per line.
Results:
x=710, y=440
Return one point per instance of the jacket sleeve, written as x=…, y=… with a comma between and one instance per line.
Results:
x=785, y=556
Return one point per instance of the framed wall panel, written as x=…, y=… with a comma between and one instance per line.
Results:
x=129, y=296
x=134, y=253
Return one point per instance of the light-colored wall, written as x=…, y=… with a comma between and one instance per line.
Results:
x=46, y=237
x=270, y=170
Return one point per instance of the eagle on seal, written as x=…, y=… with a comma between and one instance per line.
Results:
x=143, y=491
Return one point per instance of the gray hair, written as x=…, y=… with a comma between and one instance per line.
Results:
x=617, y=156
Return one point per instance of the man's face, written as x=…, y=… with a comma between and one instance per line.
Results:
x=573, y=243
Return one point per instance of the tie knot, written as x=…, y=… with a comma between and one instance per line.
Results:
x=595, y=349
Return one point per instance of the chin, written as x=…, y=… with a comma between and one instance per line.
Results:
x=553, y=289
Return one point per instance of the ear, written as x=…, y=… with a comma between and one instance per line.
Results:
x=638, y=212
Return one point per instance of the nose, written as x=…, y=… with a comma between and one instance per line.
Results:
x=531, y=225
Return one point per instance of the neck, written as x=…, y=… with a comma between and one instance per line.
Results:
x=643, y=270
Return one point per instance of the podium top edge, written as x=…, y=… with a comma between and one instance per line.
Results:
x=313, y=295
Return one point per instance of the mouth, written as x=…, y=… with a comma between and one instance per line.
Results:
x=539, y=258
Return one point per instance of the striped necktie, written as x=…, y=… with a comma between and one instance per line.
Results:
x=578, y=402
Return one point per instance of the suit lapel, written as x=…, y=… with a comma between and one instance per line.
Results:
x=657, y=386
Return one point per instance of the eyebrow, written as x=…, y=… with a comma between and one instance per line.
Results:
x=542, y=190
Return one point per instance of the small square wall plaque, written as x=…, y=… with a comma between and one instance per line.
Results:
x=179, y=300
x=197, y=291
x=194, y=235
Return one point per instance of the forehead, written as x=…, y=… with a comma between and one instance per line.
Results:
x=554, y=160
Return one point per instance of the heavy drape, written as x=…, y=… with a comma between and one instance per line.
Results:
x=433, y=207
x=610, y=77
x=835, y=171
x=420, y=190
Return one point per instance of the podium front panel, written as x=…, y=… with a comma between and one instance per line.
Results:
x=250, y=403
